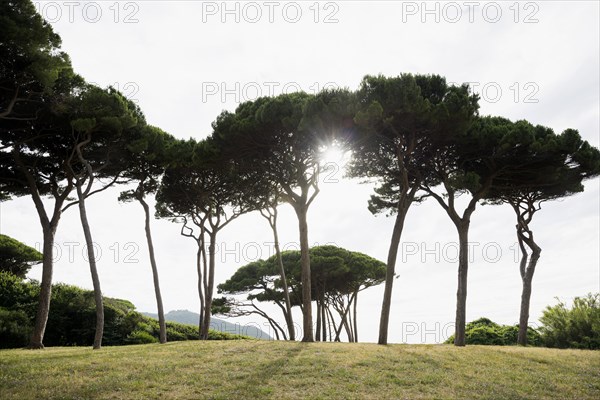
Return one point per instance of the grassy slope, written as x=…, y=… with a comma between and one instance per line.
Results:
x=249, y=369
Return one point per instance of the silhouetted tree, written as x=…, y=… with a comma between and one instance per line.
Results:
x=552, y=167
x=403, y=121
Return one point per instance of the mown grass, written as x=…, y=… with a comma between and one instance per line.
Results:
x=250, y=369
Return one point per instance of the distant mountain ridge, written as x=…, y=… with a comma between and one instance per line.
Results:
x=192, y=318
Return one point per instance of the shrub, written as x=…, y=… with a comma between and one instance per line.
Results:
x=218, y=335
x=140, y=337
x=486, y=332
x=14, y=329
x=577, y=327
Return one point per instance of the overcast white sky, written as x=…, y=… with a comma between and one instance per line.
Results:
x=185, y=61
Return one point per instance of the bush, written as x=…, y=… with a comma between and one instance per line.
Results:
x=218, y=335
x=577, y=327
x=17, y=294
x=176, y=331
x=72, y=318
x=14, y=329
x=140, y=337
x=486, y=332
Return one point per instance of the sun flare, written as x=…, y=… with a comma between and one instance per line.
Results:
x=334, y=154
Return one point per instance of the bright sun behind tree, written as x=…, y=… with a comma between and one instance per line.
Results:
x=334, y=154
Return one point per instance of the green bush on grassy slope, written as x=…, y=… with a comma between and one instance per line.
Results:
x=576, y=327
x=486, y=332
x=72, y=316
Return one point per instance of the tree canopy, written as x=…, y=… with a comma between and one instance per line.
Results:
x=30, y=60
x=337, y=277
x=16, y=257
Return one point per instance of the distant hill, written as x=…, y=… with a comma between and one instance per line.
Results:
x=192, y=318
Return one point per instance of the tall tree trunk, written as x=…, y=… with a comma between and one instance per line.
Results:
x=49, y=231
x=461, y=293
x=390, y=272
x=210, y=286
x=526, y=293
x=318, y=328
x=161, y=313
x=324, y=322
x=332, y=328
x=41, y=318
x=286, y=293
x=348, y=329
x=349, y=325
x=200, y=292
x=92, y=261
x=355, y=313
x=301, y=212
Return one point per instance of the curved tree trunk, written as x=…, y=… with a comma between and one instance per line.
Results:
x=343, y=311
x=349, y=325
x=526, y=294
x=43, y=309
x=390, y=273
x=354, y=317
x=92, y=261
x=208, y=297
x=332, y=328
x=161, y=313
x=200, y=292
x=461, y=293
x=348, y=328
x=49, y=231
x=301, y=212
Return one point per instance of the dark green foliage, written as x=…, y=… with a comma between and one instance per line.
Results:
x=337, y=277
x=403, y=122
x=16, y=294
x=140, y=337
x=542, y=165
x=576, y=327
x=30, y=58
x=14, y=328
x=335, y=271
x=16, y=257
x=71, y=321
x=483, y=331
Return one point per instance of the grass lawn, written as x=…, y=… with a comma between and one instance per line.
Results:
x=249, y=369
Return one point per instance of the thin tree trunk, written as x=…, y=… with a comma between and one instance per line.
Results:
x=343, y=323
x=301, y=212
x=526, y=295
x=161, y=313
x=92, y=261
x=43, y=309
x=324, y=318
x=49, y=231
x=349, y=323
x=332, y=328
x=348, y=328
x=274, y=330
x=210, y=286
x=461, y=293
x=200, y=292
x=355, y=314
x=286, y=293
x=318, y=328
x=384, y=320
